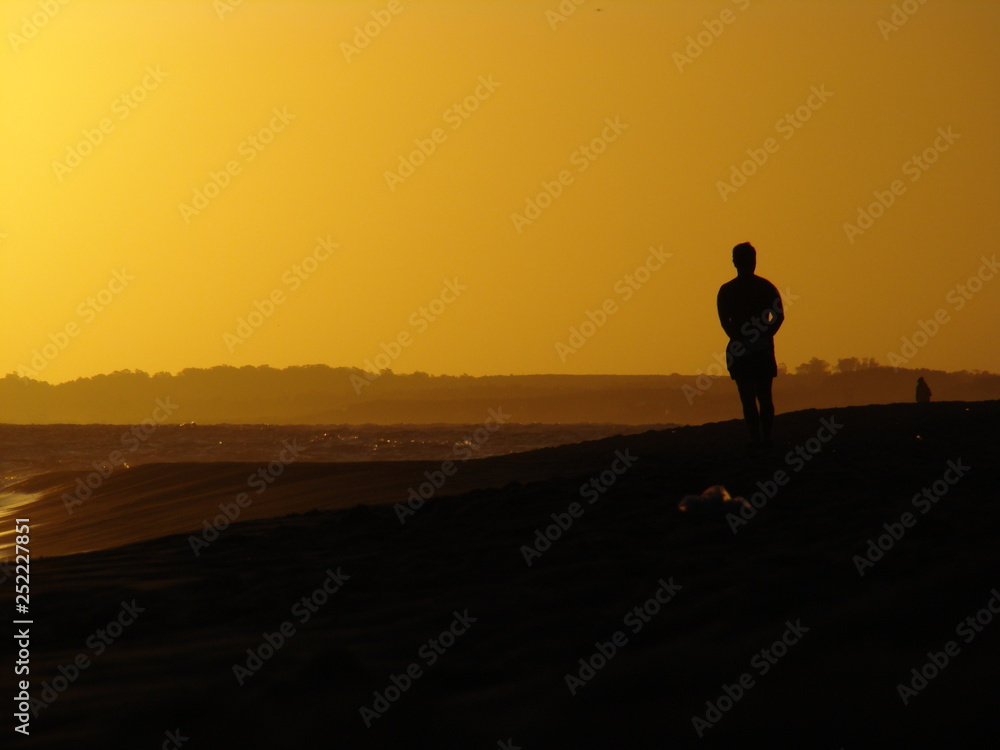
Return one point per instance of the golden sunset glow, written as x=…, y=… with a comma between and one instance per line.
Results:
x=190, y=183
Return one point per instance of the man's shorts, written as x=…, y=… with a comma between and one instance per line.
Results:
x=753, y=365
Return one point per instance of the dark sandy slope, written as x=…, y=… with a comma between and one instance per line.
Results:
x=504, y=678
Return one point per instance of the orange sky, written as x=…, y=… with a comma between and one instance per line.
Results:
x=477, y=179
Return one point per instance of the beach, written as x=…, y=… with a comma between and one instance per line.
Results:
x=555, y=598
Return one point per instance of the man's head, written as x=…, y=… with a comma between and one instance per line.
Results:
x=745, y=257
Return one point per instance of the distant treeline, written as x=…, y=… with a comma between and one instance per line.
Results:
x=318, y=394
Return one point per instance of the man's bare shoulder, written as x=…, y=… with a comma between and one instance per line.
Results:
x=764, y=282
x=731, y=285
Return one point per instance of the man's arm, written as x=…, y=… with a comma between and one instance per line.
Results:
x=779, y=312
x=725, y=315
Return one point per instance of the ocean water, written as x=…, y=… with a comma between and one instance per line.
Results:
x=27, y=450
x=43, y=465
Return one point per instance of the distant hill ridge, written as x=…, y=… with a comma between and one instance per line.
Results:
x=319, y=394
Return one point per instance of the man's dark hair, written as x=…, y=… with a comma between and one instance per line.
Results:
x=745, y=256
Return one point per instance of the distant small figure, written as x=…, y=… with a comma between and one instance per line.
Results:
x=751, y=312
x=923, y=392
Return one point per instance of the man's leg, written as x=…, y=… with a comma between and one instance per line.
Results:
x=766, y=407
x=748, y=397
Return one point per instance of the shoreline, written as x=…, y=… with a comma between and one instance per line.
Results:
x=575, y=649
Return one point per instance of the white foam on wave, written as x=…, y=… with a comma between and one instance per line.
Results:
x=715, y=500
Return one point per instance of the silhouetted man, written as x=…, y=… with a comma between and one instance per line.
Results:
x=751, y=313
x=923, y=392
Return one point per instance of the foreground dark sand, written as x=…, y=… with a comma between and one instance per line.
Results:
x=504, y=678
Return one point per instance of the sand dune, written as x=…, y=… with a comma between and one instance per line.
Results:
x=789, y=575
